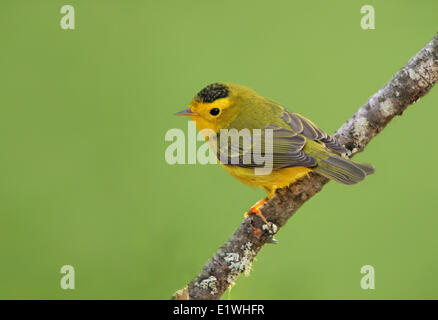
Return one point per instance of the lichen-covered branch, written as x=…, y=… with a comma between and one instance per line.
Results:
x=235, y=257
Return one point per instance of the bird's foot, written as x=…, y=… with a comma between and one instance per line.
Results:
x=255, y=209
x=268, y=227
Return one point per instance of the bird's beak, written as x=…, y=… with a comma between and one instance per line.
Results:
x=186, y=112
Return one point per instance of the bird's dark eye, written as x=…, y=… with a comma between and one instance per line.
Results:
x=215, y=111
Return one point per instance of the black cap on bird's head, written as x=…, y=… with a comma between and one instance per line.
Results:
x=218, y=104
x=212, y=92
x=208, y=95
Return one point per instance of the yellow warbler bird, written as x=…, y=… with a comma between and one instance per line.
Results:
x=298, y=146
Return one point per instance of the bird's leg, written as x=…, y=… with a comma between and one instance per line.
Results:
x=255, y=209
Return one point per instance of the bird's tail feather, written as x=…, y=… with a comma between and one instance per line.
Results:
x=343, y=170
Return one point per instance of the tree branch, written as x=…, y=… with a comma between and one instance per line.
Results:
x=235, y=257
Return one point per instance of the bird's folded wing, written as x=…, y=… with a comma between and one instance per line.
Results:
x=307, y=128
x=272, y=146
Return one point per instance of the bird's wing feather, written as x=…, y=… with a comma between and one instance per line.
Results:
x=307, y=128
x=287, y=150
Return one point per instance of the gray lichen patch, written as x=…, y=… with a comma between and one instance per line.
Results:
x=240, y=264
x=271, y=228
x=360, y=129
x=413, y=75
x=426, y=71
x=387, y=108
x=348, y=154
x=232, y=257
x=209, y=284
x=424, y=74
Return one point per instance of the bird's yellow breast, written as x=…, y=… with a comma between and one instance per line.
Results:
x=276, y=179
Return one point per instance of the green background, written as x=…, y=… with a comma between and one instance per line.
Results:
x=83, y=179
